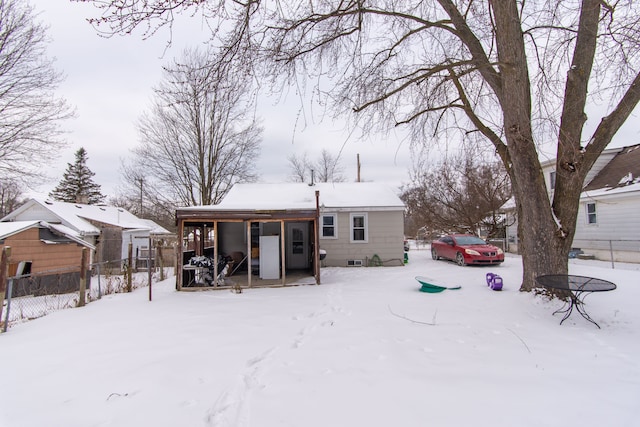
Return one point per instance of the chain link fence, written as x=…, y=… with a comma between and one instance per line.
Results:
x=623, y=251
x=29, y=297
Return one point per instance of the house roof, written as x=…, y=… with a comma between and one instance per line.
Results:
x=8, y=229
x=78, y=216
x=291, y=196
x=621, y=174
x=622, y=171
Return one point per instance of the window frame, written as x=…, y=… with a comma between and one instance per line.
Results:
x=335, y=225
x=365, y=227
x=591, y=214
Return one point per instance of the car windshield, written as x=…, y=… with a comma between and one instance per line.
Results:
x=470, y=240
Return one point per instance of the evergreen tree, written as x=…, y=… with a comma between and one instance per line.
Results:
x=76, y=185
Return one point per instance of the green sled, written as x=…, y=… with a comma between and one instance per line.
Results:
x=432, y=288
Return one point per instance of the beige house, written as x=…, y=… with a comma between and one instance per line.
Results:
x=52, y=253
x=269, y=232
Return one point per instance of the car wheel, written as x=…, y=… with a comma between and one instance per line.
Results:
x=460, y=259
x=434, y=255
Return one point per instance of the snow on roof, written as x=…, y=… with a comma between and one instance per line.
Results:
x=77, y=216
x=587, y=194
x=607, y=191
x=508, y=205
x=622, y=170
x=68, y=233
x=302, y=196
x=153, y=227
x=10, y=228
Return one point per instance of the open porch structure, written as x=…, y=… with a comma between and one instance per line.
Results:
x=267, y=245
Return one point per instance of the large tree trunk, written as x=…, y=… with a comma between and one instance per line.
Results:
x=543, y=248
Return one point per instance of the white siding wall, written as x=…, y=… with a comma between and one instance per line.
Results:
x=385, y=239
x=618, y=221
x=37, y=213
x=138, y=238
x=617, y=228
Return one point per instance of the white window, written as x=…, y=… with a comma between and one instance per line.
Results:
x=359, y=233
x=591, y=213
x=328, y=226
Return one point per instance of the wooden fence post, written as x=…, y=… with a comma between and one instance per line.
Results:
x=149, y=265
x=129, y=268
x=4, y=274
x=83, y=278
x=159, y=258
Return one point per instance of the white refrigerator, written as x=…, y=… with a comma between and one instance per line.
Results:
x=269, y=257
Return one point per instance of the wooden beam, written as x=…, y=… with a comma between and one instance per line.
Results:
x=283, y=265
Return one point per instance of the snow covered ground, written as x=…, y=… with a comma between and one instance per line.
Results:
x=357, y=350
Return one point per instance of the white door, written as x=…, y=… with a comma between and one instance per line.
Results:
x=297, y=245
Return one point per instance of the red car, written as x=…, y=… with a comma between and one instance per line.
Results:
x=466, y=249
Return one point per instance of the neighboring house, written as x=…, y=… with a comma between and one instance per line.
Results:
x=353, y=224
x=52, y=253
x=109, y=229
x=608, y=225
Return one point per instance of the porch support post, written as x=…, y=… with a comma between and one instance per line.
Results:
x=179, y=259
x=215, y=250
x=316, y=240
x=249, y=264
x=282, y=252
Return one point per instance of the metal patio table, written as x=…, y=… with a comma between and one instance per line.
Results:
x=579, y=287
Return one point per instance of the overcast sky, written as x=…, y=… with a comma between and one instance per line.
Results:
x=109, y=82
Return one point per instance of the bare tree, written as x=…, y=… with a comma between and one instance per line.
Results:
x=326, y=168
x=200, y=136
x=11, y=196
x=137, y=195
x=516, y=74
x=29, y=112
x=299, y=167
x=461, y=194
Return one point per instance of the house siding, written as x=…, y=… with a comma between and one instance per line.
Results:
x=37, y=213
x=612, y=231
x=385, y=239
x=27, y=246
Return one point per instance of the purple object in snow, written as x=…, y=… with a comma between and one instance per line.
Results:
x=494, y=281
